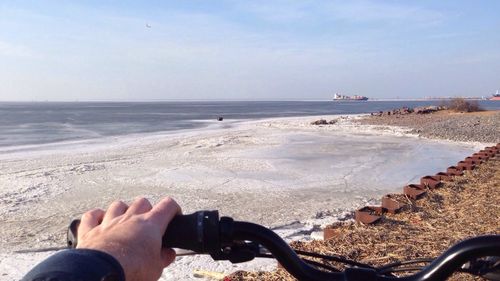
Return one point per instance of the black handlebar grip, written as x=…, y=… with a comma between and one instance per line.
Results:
x=198, y=232
x=72, y=234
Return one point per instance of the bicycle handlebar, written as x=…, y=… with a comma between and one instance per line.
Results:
x=204, y=232
x=225, y=239
x=198, y=232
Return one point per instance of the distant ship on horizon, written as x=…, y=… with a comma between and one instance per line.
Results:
x=495, y=96
x=339, y=97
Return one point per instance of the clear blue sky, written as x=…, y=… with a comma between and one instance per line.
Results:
x=104, y=50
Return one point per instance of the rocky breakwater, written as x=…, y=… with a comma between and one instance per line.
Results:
x=324, y=122
x=408, y=110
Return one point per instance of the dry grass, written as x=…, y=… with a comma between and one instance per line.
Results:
x=467, y=207
x=462, y=105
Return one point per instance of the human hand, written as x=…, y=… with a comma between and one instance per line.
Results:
x=131, y=234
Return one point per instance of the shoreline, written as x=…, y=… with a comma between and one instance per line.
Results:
x=215, y=169
x=453, y=211
x=103, y=143
x=368, y=122
x=480, y=126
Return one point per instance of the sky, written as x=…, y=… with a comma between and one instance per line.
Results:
x=247, y=50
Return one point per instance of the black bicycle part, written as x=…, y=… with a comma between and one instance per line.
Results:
x=198, y=232
x=333, y=258
x=72, y=234
x=487, y=267
x=225, y=239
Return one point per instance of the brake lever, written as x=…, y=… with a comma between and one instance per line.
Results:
x=72, y=234
x=71, y=241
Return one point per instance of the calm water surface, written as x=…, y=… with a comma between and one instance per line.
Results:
x=48, y=122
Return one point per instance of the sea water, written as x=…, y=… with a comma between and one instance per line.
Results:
x=34, y=123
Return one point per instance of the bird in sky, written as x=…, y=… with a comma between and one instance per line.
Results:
x=148, y=25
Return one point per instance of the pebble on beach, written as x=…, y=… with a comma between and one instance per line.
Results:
x=467, y=127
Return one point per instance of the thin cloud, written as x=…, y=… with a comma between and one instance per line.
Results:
x=17, y=51
x=278, y=11
x=479, y=58
x=381, y=12
x=349, y=11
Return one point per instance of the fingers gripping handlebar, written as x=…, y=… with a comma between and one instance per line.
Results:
x=198, y=232
x=225, y=239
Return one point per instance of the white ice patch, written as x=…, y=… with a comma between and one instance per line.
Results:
x=283, y=173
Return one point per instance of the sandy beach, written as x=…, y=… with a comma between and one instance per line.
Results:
x=283, y=173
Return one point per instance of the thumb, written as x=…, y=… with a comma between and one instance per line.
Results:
x=167, y=256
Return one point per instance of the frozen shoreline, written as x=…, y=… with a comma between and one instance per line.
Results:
x=305, y=171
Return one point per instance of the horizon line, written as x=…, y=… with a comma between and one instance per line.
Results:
x=230, y=100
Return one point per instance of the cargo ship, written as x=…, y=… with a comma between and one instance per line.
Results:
x=339, y=97
x=495, y=96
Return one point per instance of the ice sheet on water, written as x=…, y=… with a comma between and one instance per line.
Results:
x=360, y=162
